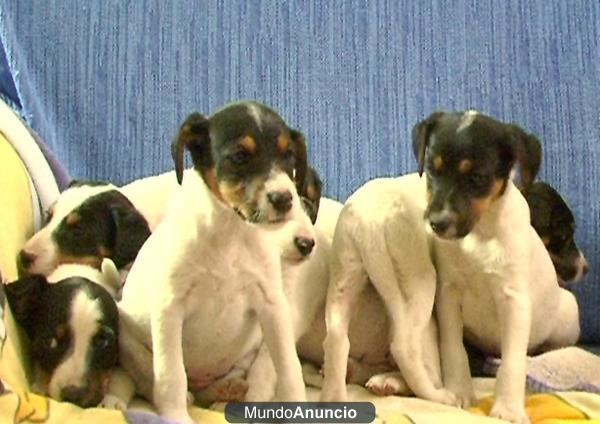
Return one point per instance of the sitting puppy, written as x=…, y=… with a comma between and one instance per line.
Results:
x=496, y=282
x=208, y=280
x=72, y=324
x=380, y=240
x=88, y=222
x=553, y=220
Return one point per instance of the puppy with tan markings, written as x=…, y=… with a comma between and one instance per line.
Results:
x=554, y=222
x=206, y=288
x=72, y=324
x=88, y=222
x=496, y=282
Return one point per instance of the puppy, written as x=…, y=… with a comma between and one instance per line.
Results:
x=206, y=287
x=88, y=222
x=553, y=220
x=496, y=282
x=380, y=238
x=72, y=325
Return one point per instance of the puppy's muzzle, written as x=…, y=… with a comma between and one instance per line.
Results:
x=440, y=222
x=304, y=245
x=80, y=396
x=280, y=200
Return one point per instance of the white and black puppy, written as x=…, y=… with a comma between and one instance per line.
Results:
x=88, y=222
x=380, y=238
x=496, y=282
x=72, y=326
x=553, y=220
x=206, y=287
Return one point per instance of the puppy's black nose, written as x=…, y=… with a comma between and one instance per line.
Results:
x=304, y=245
x=73, y=394
x=439, y=222
x=281, y=200
x=25, y=260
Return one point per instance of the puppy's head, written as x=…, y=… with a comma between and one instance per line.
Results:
x=467, y=158
x=73, y=329
x=554, y=222
x=248, y=157
x=296, y=237
x=86, y=224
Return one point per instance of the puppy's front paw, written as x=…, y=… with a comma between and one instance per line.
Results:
x=443, y=396
x=388, y=384
x=111, y=401
x=334, y=394
x=463, y=393
x=509, y=411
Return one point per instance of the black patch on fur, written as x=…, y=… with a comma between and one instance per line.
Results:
x=214, y=144
x=491, y=146
x=87, y=183
x=310, y=193
x=43, y=311
x=553, y=220
x=107, y=220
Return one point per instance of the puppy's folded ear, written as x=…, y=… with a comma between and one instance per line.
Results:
x=23, y=296
x=193, y=135
x=129, y=232
x=527, y=151
x=299, y=143
x=310, y=193
x=420, y=138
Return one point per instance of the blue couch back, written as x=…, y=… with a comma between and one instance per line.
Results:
x=107, y=82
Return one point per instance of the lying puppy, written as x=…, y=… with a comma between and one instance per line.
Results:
x=553, y=220
x=380, y=238
x=72, y=324
x=88, y=222
x=208, y=281
x=496, y=281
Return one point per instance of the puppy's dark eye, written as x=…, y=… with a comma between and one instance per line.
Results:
x=478, y=180
x=240, y=157
x=103, y=340
x=289, y=155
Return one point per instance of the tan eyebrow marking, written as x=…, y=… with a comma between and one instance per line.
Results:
x=283, y=142
x=465, y=166
x=438, y=163
x=248, y=144
x=72, y=218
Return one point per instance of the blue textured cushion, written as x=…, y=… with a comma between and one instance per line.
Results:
x=107, y=82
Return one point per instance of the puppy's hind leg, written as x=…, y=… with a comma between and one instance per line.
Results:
x=345, y=286
x=566, y=328
x=410, y=305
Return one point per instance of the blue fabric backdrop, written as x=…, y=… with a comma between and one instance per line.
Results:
x=106, y=82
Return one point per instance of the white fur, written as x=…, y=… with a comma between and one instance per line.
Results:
x=256, y=113
x=468, y=118
x=380, y=237
x=499, y=283
x=202, y=288
x=83, y=322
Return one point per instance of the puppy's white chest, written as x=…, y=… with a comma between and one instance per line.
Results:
x=471, y=259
